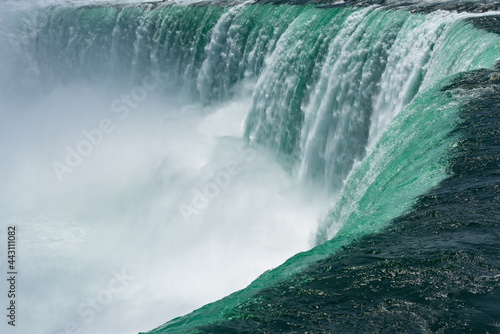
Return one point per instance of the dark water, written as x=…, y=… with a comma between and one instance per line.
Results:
x=480, y=6
x=391, y=111
x=436, y=269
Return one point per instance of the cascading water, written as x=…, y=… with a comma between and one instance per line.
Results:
x=196, y=146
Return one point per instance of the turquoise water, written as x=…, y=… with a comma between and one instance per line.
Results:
x=351, y=101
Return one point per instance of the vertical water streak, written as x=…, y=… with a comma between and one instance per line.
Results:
x=275, y=118
x=337, y=117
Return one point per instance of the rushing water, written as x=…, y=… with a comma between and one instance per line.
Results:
x=185, y=149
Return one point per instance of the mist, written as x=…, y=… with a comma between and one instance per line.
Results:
x=129, y=214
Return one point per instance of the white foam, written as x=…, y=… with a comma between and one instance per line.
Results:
x=120, y=209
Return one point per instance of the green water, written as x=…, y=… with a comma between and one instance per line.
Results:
x=350, y=99
x=360, y=90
